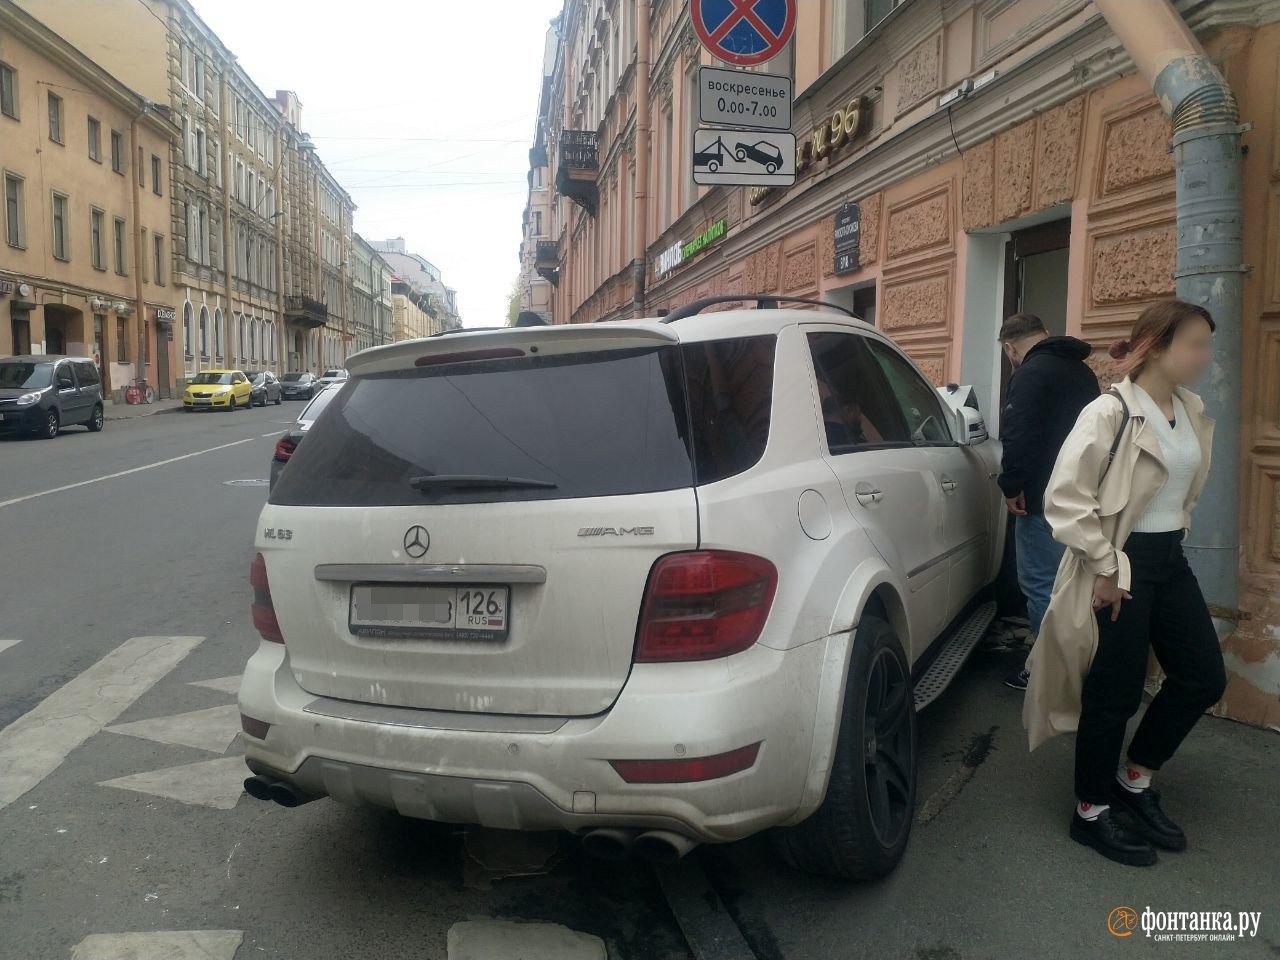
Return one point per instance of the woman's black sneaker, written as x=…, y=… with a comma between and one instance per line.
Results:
x=1112, y=838
x=1149, y=820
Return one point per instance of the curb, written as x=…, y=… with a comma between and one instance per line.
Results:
x=138, y=416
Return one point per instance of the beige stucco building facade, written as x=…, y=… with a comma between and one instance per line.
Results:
x=84, y=266
x=1046, y=184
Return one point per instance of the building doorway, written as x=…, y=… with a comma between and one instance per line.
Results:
x=858, y=297
x=1035, y=281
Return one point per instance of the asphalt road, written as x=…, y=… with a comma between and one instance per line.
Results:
x=123, y=830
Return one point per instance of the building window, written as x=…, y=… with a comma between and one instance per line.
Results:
x=121, y=262
x=8, y=91
x=95, y=140
x=14, y=227
x=204, y=332
x=117, y=152
x=537, y=223
x=199, y=86
x=122, y=340
x=219, y=335
x=156, y=173
x=202, y=156
x=96, y=223
x=158, y=243
x=186, y=330
x=217, y=163
x=142, y=168
x=143, y=266
x=55, y=118
x=664, y=191
x=61, y=246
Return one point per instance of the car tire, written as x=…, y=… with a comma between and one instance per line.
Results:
x=52, y=424
x=741, y=155
x=231, y=404
x=278, y=399
x=96, y=421
x=713, y=166
x=861, y=829
x=771, y=168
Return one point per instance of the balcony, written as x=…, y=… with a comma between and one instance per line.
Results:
x=306, y=311
x=579, y=167
x=546, y=260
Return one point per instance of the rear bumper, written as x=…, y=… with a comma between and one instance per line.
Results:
x=550, y=773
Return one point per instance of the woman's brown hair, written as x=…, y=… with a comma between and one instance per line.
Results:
x=1154, y=331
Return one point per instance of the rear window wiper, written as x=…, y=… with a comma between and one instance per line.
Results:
x=470, y=482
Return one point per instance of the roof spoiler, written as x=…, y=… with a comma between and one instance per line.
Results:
x=762, y=302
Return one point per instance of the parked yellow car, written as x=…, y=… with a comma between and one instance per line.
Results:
x=218, y=390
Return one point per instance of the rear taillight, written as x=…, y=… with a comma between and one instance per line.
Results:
x=284, y=449
x=264, y=611
x=696, y=770
x=704, y=605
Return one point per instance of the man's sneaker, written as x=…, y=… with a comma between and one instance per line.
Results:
x=1112, y=838
x=1149, y=820
x=1019, y=680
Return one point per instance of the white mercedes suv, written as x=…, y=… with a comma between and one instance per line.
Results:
x=655, y=582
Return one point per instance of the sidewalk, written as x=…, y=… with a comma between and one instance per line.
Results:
x=126, y=411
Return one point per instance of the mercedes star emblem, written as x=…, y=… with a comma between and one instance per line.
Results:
x=416, y=541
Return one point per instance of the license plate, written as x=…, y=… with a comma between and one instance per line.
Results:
x=430, y=613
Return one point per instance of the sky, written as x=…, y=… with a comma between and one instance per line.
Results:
x=424, y=110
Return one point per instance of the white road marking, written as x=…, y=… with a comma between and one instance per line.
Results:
x=211, y=783
x=503, y=940
x=273, y=433
x=211, y=729
x=6, y=644
x=35, y=744
x=123, y=473
x=229, y=685
x=164, y=945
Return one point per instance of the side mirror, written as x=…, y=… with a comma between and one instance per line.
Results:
x=66, y=383
x=970, y=427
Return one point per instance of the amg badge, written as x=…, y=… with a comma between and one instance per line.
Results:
x=615, y=532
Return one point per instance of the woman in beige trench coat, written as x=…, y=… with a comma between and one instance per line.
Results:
x=1120, y=499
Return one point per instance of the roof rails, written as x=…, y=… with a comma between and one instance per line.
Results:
x=762, y=302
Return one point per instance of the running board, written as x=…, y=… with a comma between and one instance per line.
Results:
x=953, y=655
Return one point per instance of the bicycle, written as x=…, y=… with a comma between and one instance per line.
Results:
x=139, y=391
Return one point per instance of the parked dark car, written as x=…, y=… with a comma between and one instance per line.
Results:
x=763, y=153
x=299, y=385
x=42, y=394
x=266, y=388
x=293, y=436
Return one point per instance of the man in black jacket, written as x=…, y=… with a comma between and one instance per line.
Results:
x=1051, y=384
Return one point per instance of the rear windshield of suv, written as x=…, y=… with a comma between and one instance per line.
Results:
x=592, y=424
x=293, y=377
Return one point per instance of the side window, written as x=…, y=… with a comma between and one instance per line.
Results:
x=64, y=372
x=730, y=388
x=87, y=374
x=920, y=403
x=858, y=407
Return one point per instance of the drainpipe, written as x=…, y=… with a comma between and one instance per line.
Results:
x=139, y=304
x=640, y=229
x=230, y=327
x=1210, y=269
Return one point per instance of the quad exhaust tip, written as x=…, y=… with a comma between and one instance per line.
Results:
x=654, y=846
x=276, y=791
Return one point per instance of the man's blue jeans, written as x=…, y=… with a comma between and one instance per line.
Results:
x=1038, y=558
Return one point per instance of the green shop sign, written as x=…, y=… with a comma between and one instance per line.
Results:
x=678, y=253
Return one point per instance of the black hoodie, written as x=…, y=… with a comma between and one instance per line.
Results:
x=1046, y=394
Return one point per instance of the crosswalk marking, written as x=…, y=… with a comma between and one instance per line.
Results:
x=162, y=945
x=6, y=644
x=212, y=729
x=229, y=685
x=35, y=744
x=211, y=783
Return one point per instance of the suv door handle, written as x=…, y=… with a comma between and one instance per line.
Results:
x=948, y=485
x=868, y=495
